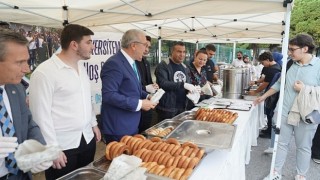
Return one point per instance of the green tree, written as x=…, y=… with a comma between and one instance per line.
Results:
x=305, y=18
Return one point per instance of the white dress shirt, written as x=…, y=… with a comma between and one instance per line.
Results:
x=60, y=102
x=238, y=63
x=3, y=169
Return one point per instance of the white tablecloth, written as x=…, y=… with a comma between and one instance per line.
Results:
x=230, y=164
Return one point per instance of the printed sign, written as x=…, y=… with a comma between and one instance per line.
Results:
x=106, y=44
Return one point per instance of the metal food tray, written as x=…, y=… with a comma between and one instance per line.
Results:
x=184, y=116
x=249, y=97
x=163, y=124
x=101, y=164
x=85, y=173
x=208, y=135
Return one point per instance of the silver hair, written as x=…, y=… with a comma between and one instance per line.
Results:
x=131, y=36
x=7, y=36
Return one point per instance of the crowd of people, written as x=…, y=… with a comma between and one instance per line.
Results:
x=61, y=107
x=42, y=43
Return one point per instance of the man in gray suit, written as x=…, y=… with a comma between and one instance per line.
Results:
x=15, y=116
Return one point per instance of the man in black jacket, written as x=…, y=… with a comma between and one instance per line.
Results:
x=147, y=85
x=172, y=77
x=270, y=70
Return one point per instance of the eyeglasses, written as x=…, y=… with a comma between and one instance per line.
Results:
x=293, y=49
x=145, y=44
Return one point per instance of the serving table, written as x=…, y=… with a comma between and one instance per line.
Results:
x=219, y=164
x=230, y=164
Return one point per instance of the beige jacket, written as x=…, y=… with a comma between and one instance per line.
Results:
x=307, y=101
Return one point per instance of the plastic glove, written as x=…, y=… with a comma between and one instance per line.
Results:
x=150, y=89
x=190, y=87
x=41, y=167
x=198, y=88
x=220, y=82
x=7, y=145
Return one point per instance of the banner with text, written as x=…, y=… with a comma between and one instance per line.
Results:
x=106, y=44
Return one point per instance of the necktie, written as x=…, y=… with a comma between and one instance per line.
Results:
x=135, y=70
x=7, y=131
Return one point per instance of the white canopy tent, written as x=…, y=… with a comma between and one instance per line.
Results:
x=248, y=21
x=233, y=21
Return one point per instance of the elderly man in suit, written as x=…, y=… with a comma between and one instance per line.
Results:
x=16, y=122
x=122, y=94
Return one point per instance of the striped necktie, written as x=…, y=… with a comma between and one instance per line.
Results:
x=134, y=66
x=7, y=131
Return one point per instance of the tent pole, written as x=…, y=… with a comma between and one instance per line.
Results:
x=283, y=77
x=159, y=44
x=234, y=51
x=159, y=50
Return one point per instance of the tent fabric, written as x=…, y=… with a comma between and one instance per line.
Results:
x=249, y=21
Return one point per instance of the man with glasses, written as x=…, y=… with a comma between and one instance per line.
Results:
x=303, y=72
x=122, y=95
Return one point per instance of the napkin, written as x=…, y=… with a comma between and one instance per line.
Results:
x=157, y=96
x=125, y=167
x=194, y=97
x=31, y=153
x=206, y=89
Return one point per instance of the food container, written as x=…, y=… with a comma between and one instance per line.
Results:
x=184, y=116
x=235, y=80
x=163, y=125
x=208, y=135
x=101, y=164
x=84, y=173
x=249, y=97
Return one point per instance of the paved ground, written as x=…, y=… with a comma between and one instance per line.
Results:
x=260, y=163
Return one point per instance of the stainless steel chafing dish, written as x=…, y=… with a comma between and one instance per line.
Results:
x=209, y=135
x=184, y=116
x=167, y=123
x=85, y=173
x=101, y=164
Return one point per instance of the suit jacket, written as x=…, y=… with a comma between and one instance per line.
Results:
x=24, y=126
x=121, y=91
x=145, y=74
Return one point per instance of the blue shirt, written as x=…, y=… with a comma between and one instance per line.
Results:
x=309, y=74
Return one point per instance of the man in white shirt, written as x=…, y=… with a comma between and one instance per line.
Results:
x=60, y=100
x=239, y=61
x=16, y=124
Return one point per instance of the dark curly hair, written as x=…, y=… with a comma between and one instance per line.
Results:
x=266, y=56
x=303, y=40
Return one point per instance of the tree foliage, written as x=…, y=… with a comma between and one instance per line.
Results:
x=305, y=18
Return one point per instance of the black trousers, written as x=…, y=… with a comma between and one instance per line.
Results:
x=145, y=120
x=162, y=115
x=76, y=158
x=315, y=149
x=269, y=112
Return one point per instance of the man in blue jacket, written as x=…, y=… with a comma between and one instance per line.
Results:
x=122, y=94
